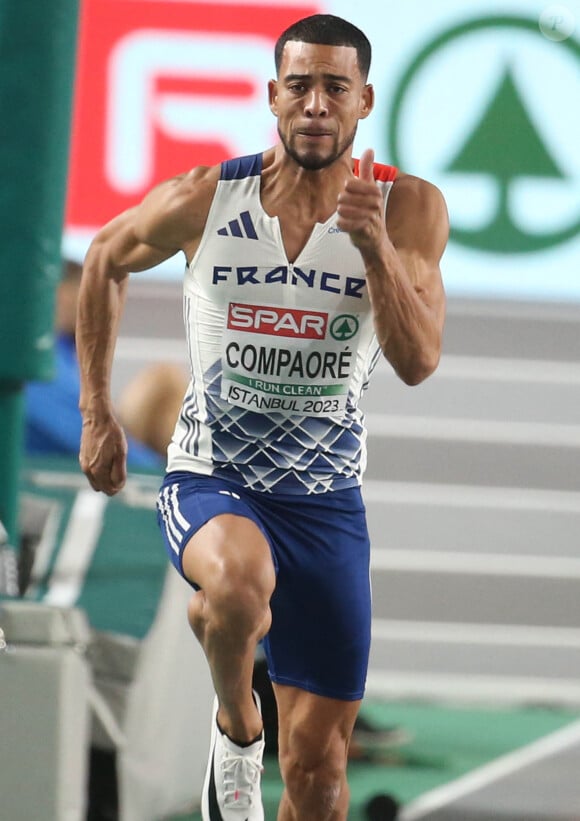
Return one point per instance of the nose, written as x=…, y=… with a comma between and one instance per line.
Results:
x=316, y=104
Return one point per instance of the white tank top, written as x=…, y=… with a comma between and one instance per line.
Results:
x=280, y=352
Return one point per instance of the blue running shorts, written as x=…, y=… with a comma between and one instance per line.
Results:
x=321, y=608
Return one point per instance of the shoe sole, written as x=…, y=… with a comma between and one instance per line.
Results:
x=209, y=781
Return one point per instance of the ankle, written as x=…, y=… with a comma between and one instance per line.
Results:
x=242, y=726
x=238, y=742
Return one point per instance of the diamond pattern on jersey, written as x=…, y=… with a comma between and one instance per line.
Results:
x=272, y=451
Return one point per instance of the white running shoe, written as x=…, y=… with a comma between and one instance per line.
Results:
x=231, y=790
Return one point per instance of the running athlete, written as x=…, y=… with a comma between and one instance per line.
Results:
x=303, y=266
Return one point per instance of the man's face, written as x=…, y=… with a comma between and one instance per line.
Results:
x=318, y=98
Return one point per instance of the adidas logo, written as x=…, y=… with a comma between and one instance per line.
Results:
x=241, y=227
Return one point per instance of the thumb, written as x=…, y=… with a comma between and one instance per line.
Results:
x=365, y=168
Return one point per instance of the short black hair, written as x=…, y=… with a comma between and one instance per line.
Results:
x=327, y=30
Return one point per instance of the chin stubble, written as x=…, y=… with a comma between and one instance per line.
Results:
x=315, y=163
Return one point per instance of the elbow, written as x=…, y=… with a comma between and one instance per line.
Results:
x=418, y=370
x=99, y=262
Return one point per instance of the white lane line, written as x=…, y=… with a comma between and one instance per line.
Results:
x=76, y=551
x=150, y=348
x=490, y=369
x=495, y=635
x=392, y=685
x=478, y=564
x=497, y=770
x=376, y=491
x=45, y=548
x=71, y=480
x=498, y=369
x=473, y=430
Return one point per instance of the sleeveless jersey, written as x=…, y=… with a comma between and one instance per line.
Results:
x=280, y=352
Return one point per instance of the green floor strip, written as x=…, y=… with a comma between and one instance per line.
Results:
x=445, y=742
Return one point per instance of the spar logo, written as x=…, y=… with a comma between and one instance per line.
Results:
x=163, y=86
x=288, y=322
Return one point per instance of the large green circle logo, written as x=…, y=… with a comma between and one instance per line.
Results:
x=343, y=327
x=504, y=144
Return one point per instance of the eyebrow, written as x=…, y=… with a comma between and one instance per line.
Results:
x=336, y=78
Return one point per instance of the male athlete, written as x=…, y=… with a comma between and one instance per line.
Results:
x=303, y=266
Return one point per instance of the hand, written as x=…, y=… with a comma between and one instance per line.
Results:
x=361, y=211
x=103, y=454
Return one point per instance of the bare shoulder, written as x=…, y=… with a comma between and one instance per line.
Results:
x=195, y=181
x=414, y=194
x=191, y=190
x=173, y=214
x=416, y=208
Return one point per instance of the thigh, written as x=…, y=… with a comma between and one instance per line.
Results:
x=206, y=522
x=230, y=559
x=321, y=608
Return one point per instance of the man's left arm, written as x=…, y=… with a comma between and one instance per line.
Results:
x=401, y=257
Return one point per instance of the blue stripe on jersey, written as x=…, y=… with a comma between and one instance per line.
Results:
x=240, y=167
x=235, y=228
x=248, y=225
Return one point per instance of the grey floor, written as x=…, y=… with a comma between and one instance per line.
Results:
x=473, y=497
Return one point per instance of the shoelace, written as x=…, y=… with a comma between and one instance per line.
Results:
x=240, y=776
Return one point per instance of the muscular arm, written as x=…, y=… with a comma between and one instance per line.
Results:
x=169, y=219
x=401, y=259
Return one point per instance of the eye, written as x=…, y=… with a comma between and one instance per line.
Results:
x=297, y=88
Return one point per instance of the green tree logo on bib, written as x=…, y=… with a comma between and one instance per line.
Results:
x=343, y=327
x=507, y=143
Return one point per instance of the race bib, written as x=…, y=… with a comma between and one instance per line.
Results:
x=288, y=360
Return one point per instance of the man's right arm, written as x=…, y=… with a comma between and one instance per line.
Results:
x=170, y=218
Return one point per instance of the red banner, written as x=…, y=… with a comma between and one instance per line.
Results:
x=163, y=86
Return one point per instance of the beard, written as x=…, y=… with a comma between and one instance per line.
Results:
x=311, y=160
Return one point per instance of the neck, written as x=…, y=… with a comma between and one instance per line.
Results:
x=285, y=181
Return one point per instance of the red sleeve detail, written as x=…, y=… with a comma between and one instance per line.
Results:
x=382, y=173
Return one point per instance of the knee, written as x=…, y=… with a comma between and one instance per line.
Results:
x=231, y=561
x=235, y=600
x=239, y=597
x=314, y=775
